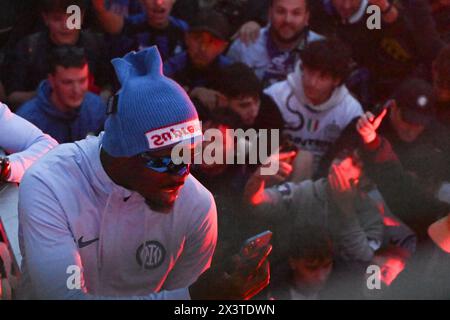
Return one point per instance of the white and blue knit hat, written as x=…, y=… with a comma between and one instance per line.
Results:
x=150, y=111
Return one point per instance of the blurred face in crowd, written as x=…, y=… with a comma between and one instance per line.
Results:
x=159, y=189
x=346, y=8
x=350, y=169
x=288, y=19
x=203, y=48
x=407, y=132
x=310, y=274
x=69, y=87
x=158, y=12
x=390, y=266
x=216, y=149
x=247, y=107
x=318, y=86
x=56, y=23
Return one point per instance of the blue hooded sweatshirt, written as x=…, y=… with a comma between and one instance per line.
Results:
x=64, y=126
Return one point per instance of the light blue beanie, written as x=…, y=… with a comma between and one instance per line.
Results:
x=152, y=111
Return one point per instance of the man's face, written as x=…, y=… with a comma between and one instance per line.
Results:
x=288, y=18
x=311, y=274
x=57, y=26
x=390, y=266
x=69, y=86
x=318, y=87
x=203, y=48
x=346, y=8
x=246, y=107
x=158, y=12
x=406, y=132
x=216, y=149
x=159, y=189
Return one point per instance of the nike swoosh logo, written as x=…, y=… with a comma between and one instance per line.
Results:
x=82, y=244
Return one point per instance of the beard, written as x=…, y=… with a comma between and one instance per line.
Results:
x=160, y=206
x=294, y=38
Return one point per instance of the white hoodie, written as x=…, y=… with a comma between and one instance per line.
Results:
x=23, y=141
x=72, y=215
x=313, y=128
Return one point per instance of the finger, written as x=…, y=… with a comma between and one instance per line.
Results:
x=379, y=119
x=285, y=166
x=250, y=266
x=332, y=180
x=284, y=174
x=343, y=182
x=259, y=282
x=286, y=155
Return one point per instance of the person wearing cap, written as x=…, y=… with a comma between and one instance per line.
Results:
x=401, y=171
x=155, y=26
x=274, y=54
x=112, y=217
x=198, y=69
x=412, y=128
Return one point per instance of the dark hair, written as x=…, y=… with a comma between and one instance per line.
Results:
x=239, y=80
x=67, y=57
x=307, y=2
x=442, y=66
x=329, y=56
x=311, y=242
x=48, y=6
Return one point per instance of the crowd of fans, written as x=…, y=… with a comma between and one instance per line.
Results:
x=364, y=117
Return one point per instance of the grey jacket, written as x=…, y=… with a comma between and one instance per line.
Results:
x=291, y=205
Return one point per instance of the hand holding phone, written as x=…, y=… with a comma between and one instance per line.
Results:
x=252, y=247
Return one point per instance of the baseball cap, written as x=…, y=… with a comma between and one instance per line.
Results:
x=213, y=22
x=150, y=112
x=416, y=100
x=439, y=232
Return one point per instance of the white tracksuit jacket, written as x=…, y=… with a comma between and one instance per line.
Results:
x=72, y=215
x=23, y=141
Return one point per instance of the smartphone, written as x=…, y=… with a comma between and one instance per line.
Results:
x=253, y=246
x=381, y=107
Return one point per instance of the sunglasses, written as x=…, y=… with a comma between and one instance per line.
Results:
x=165, y=165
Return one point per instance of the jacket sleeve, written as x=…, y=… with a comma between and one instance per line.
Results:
x=361, y=234
x=49, y=250
x=25, y=142
x=401, y=190
x=198, y=249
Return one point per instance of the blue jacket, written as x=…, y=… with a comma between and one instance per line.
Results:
x=64, y=126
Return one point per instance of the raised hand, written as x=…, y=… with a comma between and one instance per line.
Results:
x=368, y=124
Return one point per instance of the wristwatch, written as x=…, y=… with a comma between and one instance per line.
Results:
x=5, y=169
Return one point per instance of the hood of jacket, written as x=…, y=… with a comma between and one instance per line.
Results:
x=295, y=82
